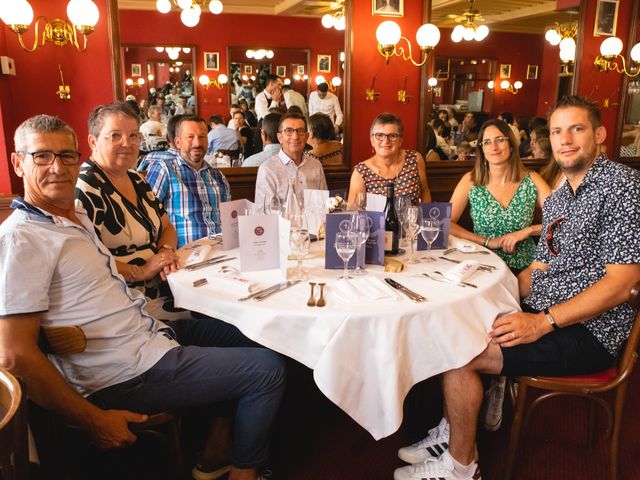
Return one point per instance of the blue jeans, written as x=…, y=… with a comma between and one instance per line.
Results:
x=219, y=364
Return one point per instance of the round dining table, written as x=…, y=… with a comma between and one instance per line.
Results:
x=365, y=354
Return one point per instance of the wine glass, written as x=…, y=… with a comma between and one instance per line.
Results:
x=360, y=202
x=272, y=205
x=360, y=223
x=414, y=218
x=345, y=247
x=402, y=203
x=430, y=231
x=299, y=240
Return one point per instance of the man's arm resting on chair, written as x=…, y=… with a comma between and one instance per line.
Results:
x=22, y=356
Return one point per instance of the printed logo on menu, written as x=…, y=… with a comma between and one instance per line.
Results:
x=259, y=231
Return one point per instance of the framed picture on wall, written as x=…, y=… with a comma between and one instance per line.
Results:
x=248, y=70
x=281, y=70
x=390, y=8
x=136, y=69
x=211, y=60
x=442, y=66
x=505, y=70
x=324, y=63
x=606, y=18
x=532, y=72
x=300, y=70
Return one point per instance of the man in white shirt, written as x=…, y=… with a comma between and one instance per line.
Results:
x=323, y=101
x=507, y=117
x=270, y=97
x=438, y=128
x=153, y=130
x=290, y=162
x=291, y=97
x=269, y=135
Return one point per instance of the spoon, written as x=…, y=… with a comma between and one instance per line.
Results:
x=321, y=302
x=312, y=299
x=455, y=249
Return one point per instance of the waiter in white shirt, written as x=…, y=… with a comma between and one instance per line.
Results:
x=323, y=101
x=270, y=97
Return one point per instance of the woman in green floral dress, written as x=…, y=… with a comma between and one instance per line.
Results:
x=502, y=195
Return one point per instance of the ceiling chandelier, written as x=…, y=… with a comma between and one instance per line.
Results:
x=173, y=52
x=335, y=18
x=191, y=9
x=564, y=35
x=469, y=29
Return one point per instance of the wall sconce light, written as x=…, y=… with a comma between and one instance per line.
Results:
x=83, y=16
x=491, y=85
x=64, y=91
x=333, y=84
x=219, y=83
x=389, y=35
x=507, y=87
x=138, y=82
x=610, y=58
x=370, y=94
x=402, y=93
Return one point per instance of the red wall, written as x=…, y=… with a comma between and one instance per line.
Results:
x=548, y=75
x=215, y=32
x=33, y=89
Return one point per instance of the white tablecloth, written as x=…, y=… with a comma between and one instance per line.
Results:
x=365, y=358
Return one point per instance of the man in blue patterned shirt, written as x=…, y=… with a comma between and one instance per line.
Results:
x=189, y=188
x=575, y=318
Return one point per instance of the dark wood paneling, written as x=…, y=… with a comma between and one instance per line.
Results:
x=5, y=206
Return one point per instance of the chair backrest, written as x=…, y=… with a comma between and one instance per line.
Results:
x=62, y=340
x=13, y=427
x=630, y=352
x=233, y=154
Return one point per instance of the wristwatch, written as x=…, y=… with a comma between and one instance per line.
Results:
x=167, y=246
x=550, y=319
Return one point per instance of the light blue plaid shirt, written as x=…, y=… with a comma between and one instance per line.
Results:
x=191, y=197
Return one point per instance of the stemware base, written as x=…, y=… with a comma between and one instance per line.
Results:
x=359, y=272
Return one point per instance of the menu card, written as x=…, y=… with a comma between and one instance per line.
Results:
x=441, y=211
x=375, y=243
x=229, y=213
x=376, y=203
x=337, y=222
x=264, y=243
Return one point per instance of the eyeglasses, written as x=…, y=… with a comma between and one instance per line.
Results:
x=486, y=143
x=290, y=131
x=47, y=157
x=553, y=249
x=116, y=137
x=379, y=136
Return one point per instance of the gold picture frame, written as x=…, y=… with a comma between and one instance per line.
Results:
x=606, y=18
x=532, y=72
x=388, y=8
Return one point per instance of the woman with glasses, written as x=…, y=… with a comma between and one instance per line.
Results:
x=502, y=195
x=390, y=163
x=127, y=216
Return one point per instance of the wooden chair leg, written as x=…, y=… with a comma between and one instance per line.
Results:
x=591, y=426
x=516, y=427
x=617, y=424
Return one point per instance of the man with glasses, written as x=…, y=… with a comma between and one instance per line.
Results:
x=575, y=316
x=290, y=162
x=189, y=188
x=54, y=271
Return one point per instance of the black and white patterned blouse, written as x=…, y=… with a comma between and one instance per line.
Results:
x=597, y=226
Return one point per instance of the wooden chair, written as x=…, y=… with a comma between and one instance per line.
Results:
x=233, y=154
x=14, y=450
x=586, y=386
x=71, y=340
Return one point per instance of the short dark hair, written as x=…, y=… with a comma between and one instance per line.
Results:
x=322, y=127
x=293, y=116
x=323, y=87
x=437, y=123
x=507, y=117
x=270, y=126
x=217, y=119
x=100, y=113
x=272, y=77
x=387, y=119
x=442, y=110
x=537, y=122
x=188, y=118
x=595, y=117
x=294, y=109
x=171, y=128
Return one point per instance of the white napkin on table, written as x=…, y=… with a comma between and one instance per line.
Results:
x=199, y=253
x=462, y=245
x=461, y=271
x=363, y=290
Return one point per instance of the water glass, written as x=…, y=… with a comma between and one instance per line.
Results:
x=345, y=247
x=272, y=205
x=299, y=240
x=430, y=231
x=402, y=203
x=361, y=229
x=414, y=218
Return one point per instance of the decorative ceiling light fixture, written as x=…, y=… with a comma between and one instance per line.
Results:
x=83, y=16
x=335, y=18
x=469, y=29
x=191, y=9
x=259, y=54
x=610, y=58
x=564, y=35
x=389, y=35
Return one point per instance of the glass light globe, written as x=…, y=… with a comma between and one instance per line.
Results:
x=17, y=13
x=171, y=70
x=150, y=77
x=388, y=33
x=250, y=53
x=428, y=35
x=176, y=69
x=611, y=46
x=295, y=77
x=305, y=77
x=432, y=82
x=342, y=57
x=336, y=81
x=491, y=84
x=83, y=12
x=259, y=54
x=504, y=84
x=186, y=49
x=163, y=6
x=222, y=79
x=270, y=54
x=141, y=81
x=253, y=78
x=129, y=82
x=468, y=34
x=568, y=54
x=320, y=79
x=245, y=78
x=457, y=34
x=185, y=4
x=552, y=36
x=340, y=24
x=179, y=64
x=159, y=49
x=481, y=33
x=635, y=53
x=190, y=17
x=327, y=20
x=287, y=81
x=203, y=79
x=518, y=85
x=173, y=55
x=568, y=43
x=215, y=7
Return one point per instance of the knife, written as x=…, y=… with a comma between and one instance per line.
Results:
x=206, y=263
x=486, y=268
x=279, y=288
x=444, y=279
x=260, y=292
x=409, y=293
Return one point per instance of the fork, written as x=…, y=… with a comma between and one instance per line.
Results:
x=455, y=249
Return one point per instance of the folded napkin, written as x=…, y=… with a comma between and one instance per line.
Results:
x=363, y=290
x=461, y=271
x=233, y=284
x=462, y=245
x=199, y=253
x=392, y=265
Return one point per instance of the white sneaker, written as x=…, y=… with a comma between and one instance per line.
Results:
x=436, y=469
x=432, y=446
x=493, y=401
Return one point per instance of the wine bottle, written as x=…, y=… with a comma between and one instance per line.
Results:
x=391, y=224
